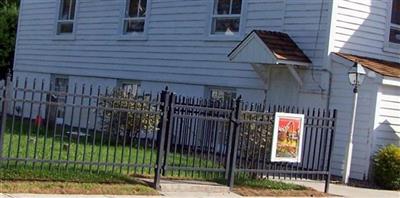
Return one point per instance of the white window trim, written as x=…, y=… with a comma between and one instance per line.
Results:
x=389, y=46
x=66, y=36
x=121, y=82
x=227, y=89
x=222, y=37
x=134, y=36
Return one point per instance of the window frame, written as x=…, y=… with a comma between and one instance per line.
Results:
x=123, y=18
x=65, y=36
x=60, y=99
x=390, y=46
x=224, y=37
x=224, y=89
x=121, y=83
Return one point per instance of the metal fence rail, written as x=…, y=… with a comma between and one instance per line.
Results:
x=98, y=129
x=91, y=129
x=255, y=141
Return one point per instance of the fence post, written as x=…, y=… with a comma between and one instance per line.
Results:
x=161, y=137
x=332, y=140
x=168, y=130
x=6, y=98
x=237, y=106
x=230, y=134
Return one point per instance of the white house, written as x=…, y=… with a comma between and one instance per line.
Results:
x=295, y=52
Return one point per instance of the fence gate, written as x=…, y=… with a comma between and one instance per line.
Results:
x=159, y=135
x=208, y=139
x=197, y=138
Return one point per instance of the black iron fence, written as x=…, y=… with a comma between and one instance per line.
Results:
x=99, y=129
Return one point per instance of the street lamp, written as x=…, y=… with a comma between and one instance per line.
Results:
x=356, y=78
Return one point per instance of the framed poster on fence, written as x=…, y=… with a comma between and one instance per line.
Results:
x=287, y=137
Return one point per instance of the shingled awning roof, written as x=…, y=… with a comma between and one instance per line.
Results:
x=283, y=47
x=279, y=45
x=385, y=68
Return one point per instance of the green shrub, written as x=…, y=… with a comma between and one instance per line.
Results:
x=387, y=167
x=8, y=30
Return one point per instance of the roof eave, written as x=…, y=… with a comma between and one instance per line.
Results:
x=297, y=63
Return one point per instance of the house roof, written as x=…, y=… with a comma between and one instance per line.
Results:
x=386, y=68
x=280, y=45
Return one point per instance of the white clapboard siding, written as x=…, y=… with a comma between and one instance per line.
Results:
x=176, y=50
x=360, y=27
x=387, y=123
x=342, y=100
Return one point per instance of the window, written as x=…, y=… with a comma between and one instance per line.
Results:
x=59, y=88
x=129, y=88
x=226, y=17
x=66, y=17
x=222, y=94
x=61, y=84
x=135, y=16
x=394, y=29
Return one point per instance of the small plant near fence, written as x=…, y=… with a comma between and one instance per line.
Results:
x=125, y=124
x=387, y=167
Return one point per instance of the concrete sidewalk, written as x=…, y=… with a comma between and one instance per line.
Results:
x=349, y=191
x=187, y=189
x=167, y=195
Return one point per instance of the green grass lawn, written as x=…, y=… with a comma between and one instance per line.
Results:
x=68, y=181
x=20, y=176
x=25, y=141
x=262, y=183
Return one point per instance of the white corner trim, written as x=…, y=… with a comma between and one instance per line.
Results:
x=16, y=47
x=331, y=32
x=391, y=81
x=374, y=115
x=295, y=74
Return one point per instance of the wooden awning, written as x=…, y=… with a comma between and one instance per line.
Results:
x=385, y=68
x=268, y=47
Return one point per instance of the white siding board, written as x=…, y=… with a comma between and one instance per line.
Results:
x=387, y=120
x=360, y=27
x=176, y=44
x=342, y=100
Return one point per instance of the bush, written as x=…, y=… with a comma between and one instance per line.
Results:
x=387, y=167
x=8, y=30
x=127, y=124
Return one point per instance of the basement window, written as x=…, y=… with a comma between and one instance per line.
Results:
x=222, y=94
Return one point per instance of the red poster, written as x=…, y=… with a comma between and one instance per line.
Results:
x=287, y=138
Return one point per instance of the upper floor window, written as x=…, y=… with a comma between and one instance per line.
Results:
x=394, y=34
x=66, y=17
x=135, y=16
x=226, y=17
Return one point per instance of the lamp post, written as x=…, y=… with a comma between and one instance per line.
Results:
x=356, y=77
